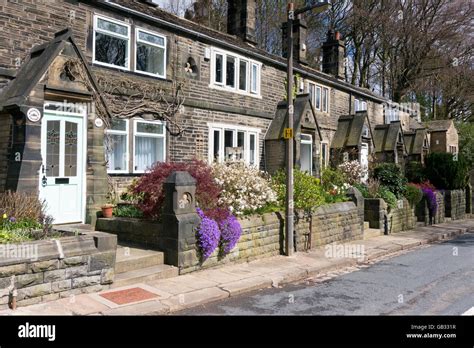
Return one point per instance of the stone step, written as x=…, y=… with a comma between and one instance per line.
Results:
x=372, y=232
x=144, y=275
x=132, y=259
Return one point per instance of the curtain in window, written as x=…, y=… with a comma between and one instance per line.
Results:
x=148, y=151
x=117, y=157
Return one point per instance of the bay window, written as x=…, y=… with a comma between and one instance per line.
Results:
x=111, y=43
x=117, y=149
x=233, y=143
x=150, y=53
x=149, y=144
x=234, y=73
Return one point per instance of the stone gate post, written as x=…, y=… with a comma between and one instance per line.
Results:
x=180, y=221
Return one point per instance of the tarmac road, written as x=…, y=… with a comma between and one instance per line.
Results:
x=436, y=280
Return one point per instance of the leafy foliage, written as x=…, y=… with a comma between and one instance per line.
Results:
x=244, y=189
x=390, y=176
x=128, y=211
x=446, y=173
x=333, y=177
x=308, y=191
x=413, y=194
x=352, y=171
x=150, y=186
x=415, y=172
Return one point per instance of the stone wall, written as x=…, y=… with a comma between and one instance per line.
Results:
x=262, y=236
x=402, y=218
x=129, y=230
x=423, y=214
x=455, y=204
x=374, y=212
x=339, y=222
x=87, y=265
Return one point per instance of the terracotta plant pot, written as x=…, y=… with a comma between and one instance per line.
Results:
x=107, y=212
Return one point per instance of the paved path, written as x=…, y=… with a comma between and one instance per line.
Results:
x=437, y=280
x=187, y=291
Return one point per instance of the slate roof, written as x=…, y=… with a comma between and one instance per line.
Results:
x=349, y=130
x=439, y=125
x=386, y=136
x=302, y=105
x=414, y=141
x=36, y=65
x=159, y=17
x=414, y=124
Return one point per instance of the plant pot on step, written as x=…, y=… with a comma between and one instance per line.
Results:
x=107, y=210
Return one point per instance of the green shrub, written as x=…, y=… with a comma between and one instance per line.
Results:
x=446, y=173
x=390, y=176
x=363, y=189
x=128, y=211
x=333, y=177
x=307, y=193
x=415, y=172
x=388, y=196
x=413, y=194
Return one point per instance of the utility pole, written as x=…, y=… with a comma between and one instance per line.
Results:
x=289, y=204
x=320, y=6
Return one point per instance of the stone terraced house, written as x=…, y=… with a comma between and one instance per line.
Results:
x=52, y=140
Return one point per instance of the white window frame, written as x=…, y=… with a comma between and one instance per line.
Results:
x=106, y=32
x=250, y=91
x=148, y=135
x=318, y=90
x=324, y=164
x=325, y=102
x=258, y=79
x=308, y=142
x=137, y=41
x=360, y=105
x=247, y=78
x=221, y=128
x=125, y=132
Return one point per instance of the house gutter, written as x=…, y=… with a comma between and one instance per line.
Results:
x=176, y=27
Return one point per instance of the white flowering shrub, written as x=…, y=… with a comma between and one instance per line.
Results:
x=352, y=171
x=244, y=188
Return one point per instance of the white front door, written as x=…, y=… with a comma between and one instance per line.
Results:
x=62, y=172
x=364, y=161
x=306, y=153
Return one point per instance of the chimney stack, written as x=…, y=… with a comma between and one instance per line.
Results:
x=241, y=19
x=333, y=55
x=299, y=40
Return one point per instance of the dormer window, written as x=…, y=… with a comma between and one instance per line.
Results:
x=360, y=105
x=235, y=73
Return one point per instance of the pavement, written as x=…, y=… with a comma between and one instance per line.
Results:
x=187, y=291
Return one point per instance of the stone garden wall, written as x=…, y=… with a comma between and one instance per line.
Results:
x=134, y=231
x=402, y=218
x=339, y=222
x=455, y=204
x=423, y=214
x=45, y=272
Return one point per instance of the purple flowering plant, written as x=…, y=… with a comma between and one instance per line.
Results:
x=218, y=228
x=230, y=234
x=208, y=235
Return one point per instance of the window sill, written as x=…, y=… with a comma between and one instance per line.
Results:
x=131, y=72
x=234, y=91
